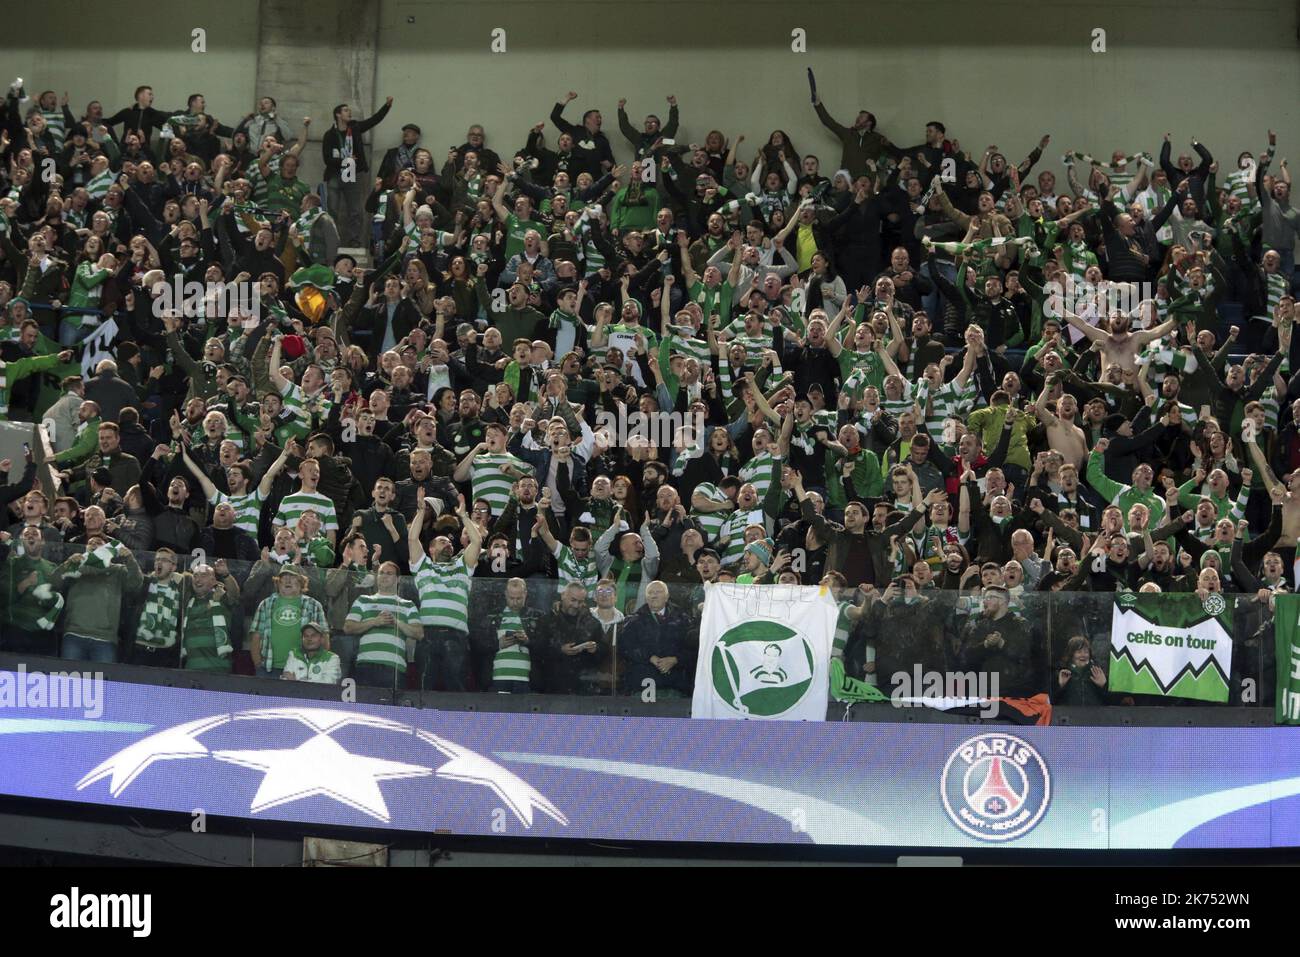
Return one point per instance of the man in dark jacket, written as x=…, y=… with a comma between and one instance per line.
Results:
x=655, y=647
x=142, y=116
x=573, y=646
x=400, y=157
x=132, y=437
x=343, y=183
x=222, y=539
x=174, y=526
x=591, y=147
x=909, y=631
x=854, y=549
x=112, y=393
x=997, y=641
x=860, y=142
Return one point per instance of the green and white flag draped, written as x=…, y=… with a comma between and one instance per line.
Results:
x=1173, y=646
x=765, y=652
x=1286, y=630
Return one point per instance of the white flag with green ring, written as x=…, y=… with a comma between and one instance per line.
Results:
x=765, y=652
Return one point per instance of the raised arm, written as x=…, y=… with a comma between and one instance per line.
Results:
x=414, y=550
x=264, y=486
x=205, y=483
x=1092, y=332
x=277, y=377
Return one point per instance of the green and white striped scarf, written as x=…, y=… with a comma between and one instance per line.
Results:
x=1276, y=286
x=305, y=222
x=1269, y=399
x=1238, y=183
x=160, y=621
x=984, y=245
x=54, y=120
x=215, y=612
x=46, y=593
x=1141, y=157
x=593, y=259
x=101, y=557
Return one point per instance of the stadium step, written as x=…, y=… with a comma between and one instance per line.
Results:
x=359, y=253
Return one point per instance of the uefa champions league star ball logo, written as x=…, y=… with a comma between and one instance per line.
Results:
x=995, y=787
x=320, y=765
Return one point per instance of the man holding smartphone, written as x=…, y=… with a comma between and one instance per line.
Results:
x=574, y=645
x=515, y=627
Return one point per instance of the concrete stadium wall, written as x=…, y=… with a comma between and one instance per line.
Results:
x=104, y=51
x=995, y=73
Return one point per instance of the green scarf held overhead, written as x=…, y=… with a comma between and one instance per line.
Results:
x=1143, y=158
x=160, y=620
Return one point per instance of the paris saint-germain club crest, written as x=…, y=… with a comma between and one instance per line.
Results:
x=995, y=787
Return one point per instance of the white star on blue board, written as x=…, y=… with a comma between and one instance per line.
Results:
x=322, y=766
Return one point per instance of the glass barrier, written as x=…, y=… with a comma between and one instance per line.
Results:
x=489, y=633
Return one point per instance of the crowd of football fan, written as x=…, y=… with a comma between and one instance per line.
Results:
x=918, y=370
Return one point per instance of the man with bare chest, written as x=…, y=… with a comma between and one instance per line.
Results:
x=1120, y=346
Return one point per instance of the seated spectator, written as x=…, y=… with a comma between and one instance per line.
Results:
x=654, y=648
x=575, y=646
x=312, y=661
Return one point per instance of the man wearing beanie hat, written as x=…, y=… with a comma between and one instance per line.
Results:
x=756, y=560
